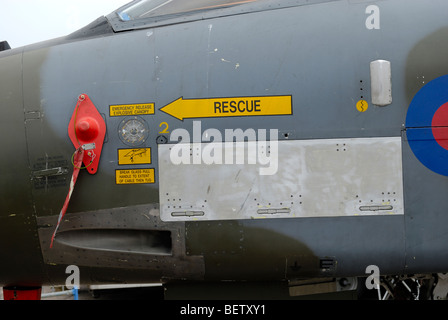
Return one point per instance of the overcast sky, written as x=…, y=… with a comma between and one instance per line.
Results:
x=24, y=22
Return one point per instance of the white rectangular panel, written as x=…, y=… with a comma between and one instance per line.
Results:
x=381, y=82
x=312, y=178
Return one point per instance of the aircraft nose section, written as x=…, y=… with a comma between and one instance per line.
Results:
x=87, y=128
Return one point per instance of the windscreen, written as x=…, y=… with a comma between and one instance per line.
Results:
x=152, y=8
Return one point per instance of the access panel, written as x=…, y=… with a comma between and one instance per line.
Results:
x=281, y=179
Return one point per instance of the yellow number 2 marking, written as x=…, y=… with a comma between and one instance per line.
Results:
x=164, y=124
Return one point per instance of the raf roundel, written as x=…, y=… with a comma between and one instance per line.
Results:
x=427, y=125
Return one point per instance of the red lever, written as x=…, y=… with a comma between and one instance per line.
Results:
x=87, y=130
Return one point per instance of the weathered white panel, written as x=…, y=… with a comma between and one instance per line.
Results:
x=381, y=82
x=314, y=178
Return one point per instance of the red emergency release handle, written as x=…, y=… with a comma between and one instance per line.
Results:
x=87, y=130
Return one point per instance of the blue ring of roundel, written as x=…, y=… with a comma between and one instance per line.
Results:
x=418, y=125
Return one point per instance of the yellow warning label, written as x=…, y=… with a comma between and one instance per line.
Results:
x=138, y=176
x=131, y=109
x=229, y=107
x=134, y=156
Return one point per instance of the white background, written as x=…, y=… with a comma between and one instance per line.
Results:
x=25, y=22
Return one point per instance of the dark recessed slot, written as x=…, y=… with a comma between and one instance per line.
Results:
x=154, y=242
x=326, y=264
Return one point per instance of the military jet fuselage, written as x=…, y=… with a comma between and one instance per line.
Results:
x=246, y=141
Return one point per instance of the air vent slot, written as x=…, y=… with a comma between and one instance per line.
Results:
x=153, y=242
x=327, y=264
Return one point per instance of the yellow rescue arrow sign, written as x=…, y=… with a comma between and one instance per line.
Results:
x=229, y=107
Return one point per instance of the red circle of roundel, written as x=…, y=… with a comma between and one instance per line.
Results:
x=440, y=126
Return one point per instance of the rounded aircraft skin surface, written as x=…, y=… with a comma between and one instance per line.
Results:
x=256, y=141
